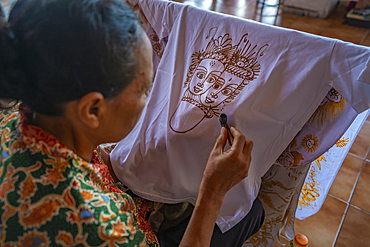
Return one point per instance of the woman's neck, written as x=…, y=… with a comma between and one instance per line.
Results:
x=68, y=133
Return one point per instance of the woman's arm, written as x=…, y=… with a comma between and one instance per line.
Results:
x=223, y=171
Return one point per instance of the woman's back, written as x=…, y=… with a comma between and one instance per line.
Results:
x=51, y=196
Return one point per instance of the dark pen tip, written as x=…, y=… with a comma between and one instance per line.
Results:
x=223, y=120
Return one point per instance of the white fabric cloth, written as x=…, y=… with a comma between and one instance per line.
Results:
x=268, y=80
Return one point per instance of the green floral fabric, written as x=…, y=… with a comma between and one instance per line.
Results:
x=51, y=197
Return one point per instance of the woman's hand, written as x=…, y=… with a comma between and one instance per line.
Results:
x=225, y=169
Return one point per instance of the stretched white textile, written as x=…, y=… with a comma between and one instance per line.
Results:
x=268, y=80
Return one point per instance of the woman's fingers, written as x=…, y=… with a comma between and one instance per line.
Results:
x=239, y=140
x=231, y=166
x=242, y=149
x=221, y=141
x=248, y=147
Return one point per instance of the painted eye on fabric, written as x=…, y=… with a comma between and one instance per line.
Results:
x=217, y=86
x=240, y=64
x=201, y=75
x=211, y=79
x=226, y=92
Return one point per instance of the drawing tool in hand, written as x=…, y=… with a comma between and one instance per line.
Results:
x=223, y=122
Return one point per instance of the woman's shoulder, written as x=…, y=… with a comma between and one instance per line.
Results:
x=52, y=191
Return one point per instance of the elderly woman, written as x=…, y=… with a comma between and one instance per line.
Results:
x=82, y=70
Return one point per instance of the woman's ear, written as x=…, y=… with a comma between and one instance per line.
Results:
x=90, y=109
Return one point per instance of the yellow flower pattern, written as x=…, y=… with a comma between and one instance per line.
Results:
x=285, y=187
x=310, y=191
x=310, y=143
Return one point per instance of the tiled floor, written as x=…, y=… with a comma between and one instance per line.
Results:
x=344, y=219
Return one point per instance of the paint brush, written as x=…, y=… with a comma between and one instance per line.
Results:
x=223, y=122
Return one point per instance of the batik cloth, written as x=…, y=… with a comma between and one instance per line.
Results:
x=297, y=184
x=324, y=169
x=51, y=197
x=268, y=81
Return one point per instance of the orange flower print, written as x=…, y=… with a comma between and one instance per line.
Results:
x=45, y=148
x=68, y=198
x=120, y=228
x=118, y=232
x=34, y=238
x=28, y=188
x=30, y=142
x=58, y=162
x=42, y=213
x=19, y=146
x=64, y=238
x=86, y=195
x=8, y=186
x=25, y=206
x=53, y=176
x=106, y=217
x=72, y=217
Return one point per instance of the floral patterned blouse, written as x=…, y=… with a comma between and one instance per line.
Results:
x=51, y=197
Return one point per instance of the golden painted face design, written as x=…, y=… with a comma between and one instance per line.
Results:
x=221, y=90
x=209, y=83
x=216, y=76
x=206, y=75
